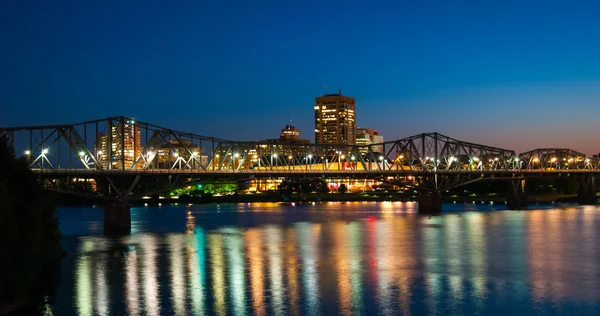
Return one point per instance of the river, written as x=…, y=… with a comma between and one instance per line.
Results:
x=353, y=258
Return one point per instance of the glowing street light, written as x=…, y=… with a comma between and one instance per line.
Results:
x=45, y=151
x=236, y=155
x=28, y=152
x=81, y=154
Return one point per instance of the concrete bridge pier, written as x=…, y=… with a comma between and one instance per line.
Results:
x=586, y=194
x=430, y=203
x=516, y=198
x=117, y=218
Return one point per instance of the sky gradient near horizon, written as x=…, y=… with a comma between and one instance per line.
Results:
x=511, y=74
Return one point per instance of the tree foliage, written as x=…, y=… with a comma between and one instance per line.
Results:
x=29, y=231
x=209, y=188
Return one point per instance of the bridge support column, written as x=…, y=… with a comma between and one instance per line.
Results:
x=516, y=198
x=586, y=194
x=430, y=202
x=117, y=218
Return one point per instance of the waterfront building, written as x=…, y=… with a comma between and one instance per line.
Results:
x=369, y=136
x=178, y=154
x=115, y=150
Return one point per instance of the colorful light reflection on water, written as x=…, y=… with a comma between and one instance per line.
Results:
x=333, y=258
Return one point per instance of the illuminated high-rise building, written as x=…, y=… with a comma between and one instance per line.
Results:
x=335, y=119
x=119, y=147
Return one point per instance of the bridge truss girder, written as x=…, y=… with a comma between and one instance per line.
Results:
x=555, y=159
x=435, y=152
x=121, y=144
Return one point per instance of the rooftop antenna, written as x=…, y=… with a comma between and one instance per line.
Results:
x=340, y=91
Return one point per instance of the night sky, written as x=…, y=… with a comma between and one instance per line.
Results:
x=501, y=73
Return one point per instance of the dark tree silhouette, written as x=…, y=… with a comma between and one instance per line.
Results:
x=342, y=188
x=29, y=232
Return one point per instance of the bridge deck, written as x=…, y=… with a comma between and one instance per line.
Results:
x=82, y=172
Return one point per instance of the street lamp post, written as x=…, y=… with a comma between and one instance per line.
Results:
x=44, y=152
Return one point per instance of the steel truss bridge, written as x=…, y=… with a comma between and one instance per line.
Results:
x=129, y=159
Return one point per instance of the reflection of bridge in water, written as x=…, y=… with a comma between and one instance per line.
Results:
x=129, y=159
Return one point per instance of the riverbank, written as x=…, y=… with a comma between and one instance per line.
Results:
x=47, y=274
x=274, y=196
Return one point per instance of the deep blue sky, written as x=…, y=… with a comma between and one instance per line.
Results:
x=513, y=74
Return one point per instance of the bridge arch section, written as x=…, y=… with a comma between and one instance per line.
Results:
x=554, y=159
x=435, y=152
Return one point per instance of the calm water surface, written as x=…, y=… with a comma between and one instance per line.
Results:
x=332, y=259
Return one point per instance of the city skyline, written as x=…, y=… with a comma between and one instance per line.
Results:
x=515, y=76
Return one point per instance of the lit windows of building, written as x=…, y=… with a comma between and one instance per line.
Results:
x=289, y=143
x=289, y=132
x=335, y=119
x=120, y=147
x=369, y=136
x=175, y=150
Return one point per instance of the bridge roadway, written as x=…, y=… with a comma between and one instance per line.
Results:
x=279, y=172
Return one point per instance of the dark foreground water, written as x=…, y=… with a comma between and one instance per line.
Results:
x=332, y=259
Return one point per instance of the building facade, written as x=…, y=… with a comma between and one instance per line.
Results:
x=369, y=136
x=335, y=119
x=119, y=147
x=176, y=154
x=290, y=135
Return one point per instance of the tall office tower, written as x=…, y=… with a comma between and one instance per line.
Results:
x=335, y=119
x=121, y=145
